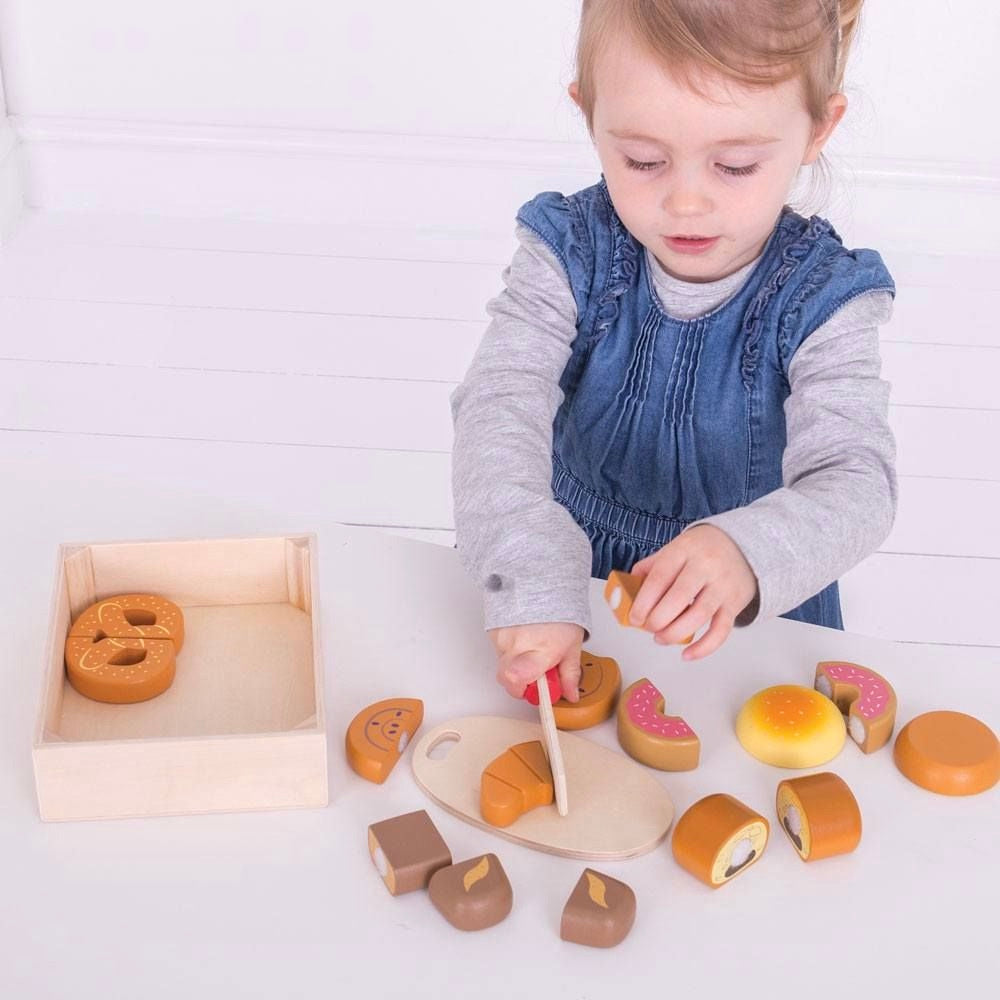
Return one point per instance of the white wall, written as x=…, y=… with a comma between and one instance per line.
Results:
x=11, y=192
x=272, y=110
x=921, y=77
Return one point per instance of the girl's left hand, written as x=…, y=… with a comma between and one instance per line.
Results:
x=699, y=577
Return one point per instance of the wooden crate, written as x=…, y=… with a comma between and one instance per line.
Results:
x=241, y=727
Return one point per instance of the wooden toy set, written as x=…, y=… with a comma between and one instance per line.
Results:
x=410, y=854
x=129, y=727
x=503, y=775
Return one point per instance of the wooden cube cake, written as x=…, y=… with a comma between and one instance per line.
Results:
x=243, y=724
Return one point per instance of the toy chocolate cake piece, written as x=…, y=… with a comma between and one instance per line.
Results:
x=599, y=912
x=407, y=850
x=472, y=895
x=719, y=837
x=820, y=815
x=518, y=780
x=865, y=697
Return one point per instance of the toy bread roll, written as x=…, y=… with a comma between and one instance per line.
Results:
x=791, y=726
x=865, y=697
x=600, y=681
x=717, y=838
x=665, y=742
x=379, y=734
x=820, y=815
x=123, y=649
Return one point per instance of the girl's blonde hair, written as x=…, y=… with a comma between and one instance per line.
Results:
x=756, y=43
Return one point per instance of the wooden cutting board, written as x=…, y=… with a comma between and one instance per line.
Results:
x=617, y=808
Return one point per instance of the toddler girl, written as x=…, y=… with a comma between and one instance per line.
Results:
x=681, y=377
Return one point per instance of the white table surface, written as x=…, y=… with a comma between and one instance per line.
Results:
x=288, y=904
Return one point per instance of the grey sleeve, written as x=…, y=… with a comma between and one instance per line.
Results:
x=839, y=496
x=520, y=545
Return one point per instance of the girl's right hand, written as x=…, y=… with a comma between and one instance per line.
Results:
x=526, y=652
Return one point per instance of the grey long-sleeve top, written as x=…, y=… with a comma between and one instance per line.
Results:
x=836, y=506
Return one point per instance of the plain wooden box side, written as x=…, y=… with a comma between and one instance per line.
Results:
x=135, y=777
x=171, y=777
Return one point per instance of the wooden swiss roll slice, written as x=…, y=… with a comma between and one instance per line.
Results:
x=820, y=815
x=718, y=837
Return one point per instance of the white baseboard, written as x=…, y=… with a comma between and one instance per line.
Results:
x=11, y=187
x=441, y=182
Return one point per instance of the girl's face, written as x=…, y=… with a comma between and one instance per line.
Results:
x=673, y=168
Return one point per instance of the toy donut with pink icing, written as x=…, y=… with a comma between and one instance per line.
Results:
x=665, y=742
x=865, y=697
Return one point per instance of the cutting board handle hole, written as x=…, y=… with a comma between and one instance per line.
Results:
x=441, y=747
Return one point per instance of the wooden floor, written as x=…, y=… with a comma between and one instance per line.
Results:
x=163, y=376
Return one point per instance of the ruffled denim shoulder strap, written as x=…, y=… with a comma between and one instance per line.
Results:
x=835, y=276
x=814, y=276
x=600, y=256
x=559, y=221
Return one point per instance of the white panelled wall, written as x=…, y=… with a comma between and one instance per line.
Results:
x=247, y=248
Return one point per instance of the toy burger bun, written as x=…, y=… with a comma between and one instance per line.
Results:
x=820, y=815
x=791, y=726
x=665, y=742
x=123, y=649
x=865, y=697
x=717, y=838
x=600, y=681
x=378, y=735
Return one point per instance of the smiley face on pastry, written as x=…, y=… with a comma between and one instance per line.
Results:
x=379, y=734
x=600, y=681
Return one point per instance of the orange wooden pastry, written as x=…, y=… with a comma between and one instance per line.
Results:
x=620, y=591
x=123, y=649
x=665, y=742
x=717, y=838
x=600, y=680
x=820, y=815
x=948, y=752
x=518, y=780
x=378, y=735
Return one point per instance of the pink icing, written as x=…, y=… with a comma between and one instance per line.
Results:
x=873, y=692
x=642, y=712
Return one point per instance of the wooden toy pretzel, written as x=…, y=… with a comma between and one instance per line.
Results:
x=123, y=649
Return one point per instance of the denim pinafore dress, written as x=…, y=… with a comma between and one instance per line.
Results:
x=666, y=421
